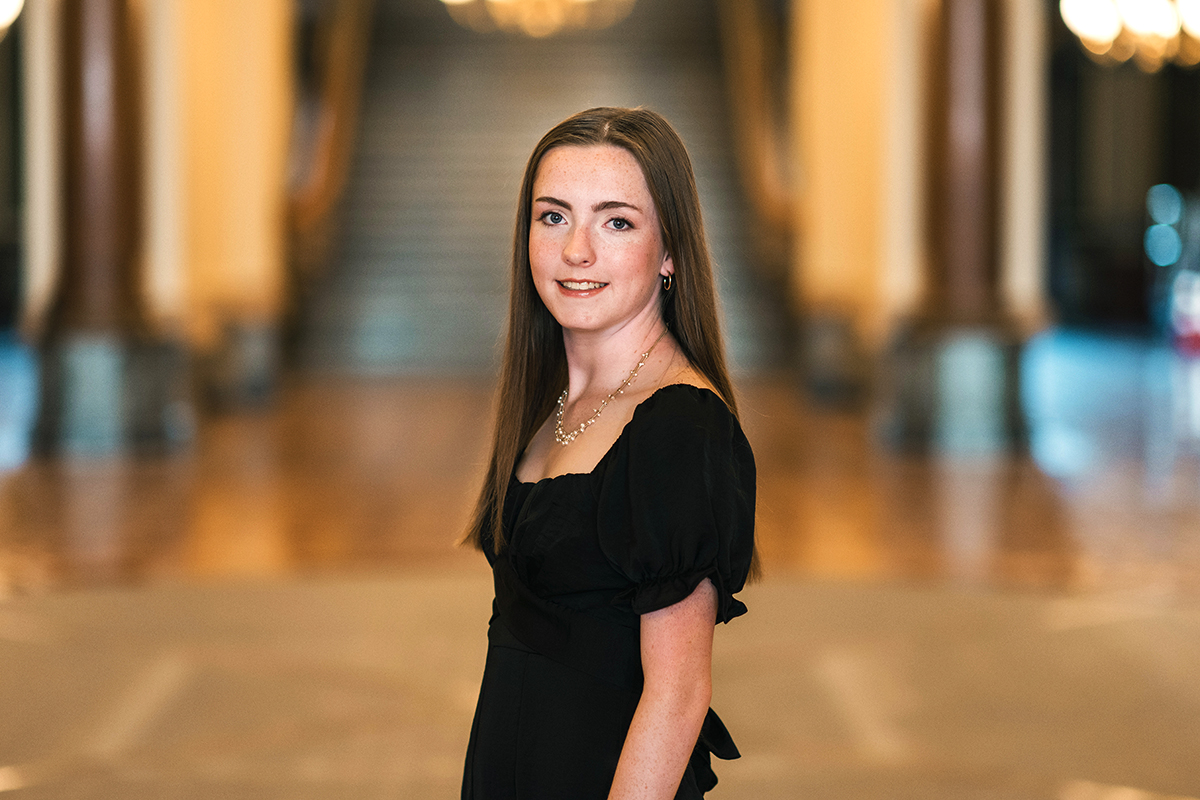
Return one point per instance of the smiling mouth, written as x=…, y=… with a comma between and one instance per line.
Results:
x=582, y=286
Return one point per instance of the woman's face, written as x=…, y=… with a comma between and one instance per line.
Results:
x=595, y=248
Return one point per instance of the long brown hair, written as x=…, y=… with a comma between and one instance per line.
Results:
x=535, y=364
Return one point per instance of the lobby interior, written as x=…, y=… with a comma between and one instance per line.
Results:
x=251, y=294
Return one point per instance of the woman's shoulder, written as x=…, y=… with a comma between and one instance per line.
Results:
x=682, y=404
x=684, y=425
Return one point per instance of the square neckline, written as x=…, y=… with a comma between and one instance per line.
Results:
x=533, y=484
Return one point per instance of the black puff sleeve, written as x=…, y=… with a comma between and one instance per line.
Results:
x=676, y=503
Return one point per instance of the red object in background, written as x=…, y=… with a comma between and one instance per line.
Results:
x=1188, y=343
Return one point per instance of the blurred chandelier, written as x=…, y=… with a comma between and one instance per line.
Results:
x=9, y=10
x=1151, y=32
x=538, y=18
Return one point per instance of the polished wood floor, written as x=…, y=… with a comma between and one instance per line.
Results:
x=356, y=476
x=280, y=613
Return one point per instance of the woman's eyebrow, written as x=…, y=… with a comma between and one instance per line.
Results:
x=607, y=204
x=604, y=206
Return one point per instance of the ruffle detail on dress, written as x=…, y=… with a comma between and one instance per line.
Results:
x=714, y=741
x=662, y=592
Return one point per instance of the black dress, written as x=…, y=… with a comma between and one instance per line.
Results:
x=670, y=504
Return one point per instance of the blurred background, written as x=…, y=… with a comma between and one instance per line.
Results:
x=253, y=261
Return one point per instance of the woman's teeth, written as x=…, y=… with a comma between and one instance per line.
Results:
x=580, y=286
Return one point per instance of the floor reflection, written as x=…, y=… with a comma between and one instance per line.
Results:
x=304, y=628
x=345, y=475
x=836, y=505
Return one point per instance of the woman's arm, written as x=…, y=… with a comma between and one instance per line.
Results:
x=676, y=646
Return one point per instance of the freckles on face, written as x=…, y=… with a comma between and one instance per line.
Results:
x=595, y=247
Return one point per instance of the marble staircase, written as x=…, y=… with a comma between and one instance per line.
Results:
x=418, y=281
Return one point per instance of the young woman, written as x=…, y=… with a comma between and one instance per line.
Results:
x=618, y=508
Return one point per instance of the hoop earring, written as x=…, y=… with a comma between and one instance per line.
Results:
x=668, y=282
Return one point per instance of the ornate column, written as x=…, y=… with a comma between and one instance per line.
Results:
x=97, y=289
x=951, y=372
x=106, y=385
x=965, y=123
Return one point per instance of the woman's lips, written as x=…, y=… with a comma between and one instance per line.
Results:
x=581, y=288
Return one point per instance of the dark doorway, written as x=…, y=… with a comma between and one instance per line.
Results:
x=1115, y=131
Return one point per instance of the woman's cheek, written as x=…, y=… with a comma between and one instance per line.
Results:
x=538, y=252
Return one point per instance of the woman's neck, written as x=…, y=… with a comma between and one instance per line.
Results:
x=597, y=362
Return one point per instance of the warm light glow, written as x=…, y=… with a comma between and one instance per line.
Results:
x=1100, y=48
x=1091, y=20
x=538, y=18
x=9, y=10
x=1189, y=12
x=1151, y=32
x=1150, y=17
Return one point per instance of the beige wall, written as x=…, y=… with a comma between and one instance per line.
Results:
x=236, y=84
x=165, y=260
x=1024, y=198
x=856, y=104
x=43, y=163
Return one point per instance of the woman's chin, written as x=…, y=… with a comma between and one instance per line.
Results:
x=571, y=324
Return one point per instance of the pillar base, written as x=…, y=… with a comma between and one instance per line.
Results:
x=243, y=370
x=107, y=394
x=835, y=365
x=951, y=388
x=18, y=399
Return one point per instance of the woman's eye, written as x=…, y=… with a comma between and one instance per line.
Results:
x=552, y=217
x=621, y=224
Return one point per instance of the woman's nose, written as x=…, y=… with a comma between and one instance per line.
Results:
x=578, y=247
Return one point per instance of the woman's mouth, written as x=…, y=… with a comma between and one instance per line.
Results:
x=582, y=286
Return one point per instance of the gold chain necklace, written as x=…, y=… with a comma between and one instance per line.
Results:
x=565, y=438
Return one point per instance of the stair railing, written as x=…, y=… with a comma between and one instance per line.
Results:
x=753, y=70
x=343, y=38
